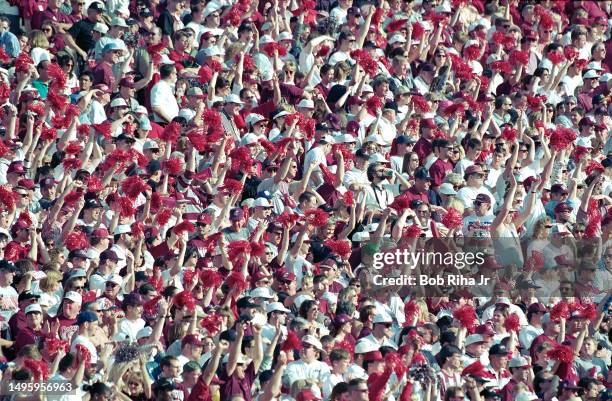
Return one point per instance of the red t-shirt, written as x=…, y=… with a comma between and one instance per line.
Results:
x=27, y=336
x=103, y=74
x=67, y=327
x=438, y=171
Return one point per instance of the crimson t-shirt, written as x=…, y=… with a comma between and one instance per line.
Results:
x=67, y=327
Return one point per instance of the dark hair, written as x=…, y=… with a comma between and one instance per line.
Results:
x=305, y=306
x=165, y=361
x=96, y=388
x=305, y=196
x=338, y=389
x=166, y=70
x=66, y=362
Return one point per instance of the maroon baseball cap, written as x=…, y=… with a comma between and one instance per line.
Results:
x=537, y=307
x=127, y=82
x=192, y=339
x=47, y=183
x=100, y=233
x=26, y=183
x=485, y=330
x=16, y=168
x=600, y=21
x=428, y=123
x=236, y=214
x=373, y=356
x=204, y=218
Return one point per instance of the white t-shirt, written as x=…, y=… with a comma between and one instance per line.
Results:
x=162, y=95
x=130, y=327
x=8, y=302
x=467, y=195
x=300, y=370
x=87, y=344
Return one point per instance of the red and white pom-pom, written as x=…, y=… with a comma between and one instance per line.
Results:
x=412, y=231
x=211, y=323
x=570, y=52
x=594, y=166
x=400, y=204
x=339, y=247
x=235, y=280
x=48, y=134
x=184, y=226
x=561, y=353
x=452, y=219
x=559, y=310
x=292, y=342
x=163, y=216
x=520, y=57
x=94, y=184
x=589, y=311
x=184, y=299
x=555, y=57
x=133, y=186
x=7, y=197
x=512, y=322
x=502, y=66
x=411, y=311
x=316, y=217
x=76, y=240
x=138, y=228
x=420, y=104
x=466, y=315
x=211, y=278
x=172, y=166
x=72, y=163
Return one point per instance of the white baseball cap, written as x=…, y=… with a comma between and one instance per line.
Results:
x=590, y=74
x=249, y=139
x=122, y=229
x=33, y=308
x=74, y=297
x=262, y=202
x=276, y=307
x=233, y=98
x=306, y=104
x=473, y=339
x=254, y=118
x=312, y=340
x=397, y=38
x=261, y=292
x=118, y=102
x=446, y=188
x=115, y=278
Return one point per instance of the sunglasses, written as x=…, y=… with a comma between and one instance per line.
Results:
x=112, y=285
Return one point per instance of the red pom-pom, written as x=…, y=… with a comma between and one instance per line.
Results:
x=561, y=353
x=412, y=231
x=104, y=129
x=287, y=219
x=198, y=141
x=184, y=226
x=377, y=17
x=466, y=315
x=172, y=166
x=7, y=197
x=560, y=310
x=556, y=57
x=510, y=134
x=23, y=62
x=54, y=345
x=37, y=108
x=348, y=198
x=76, y=240
x=241, y=159
x=580, y=152
x=316, y=217
x=502, y=66
x=83, y=130
x=417, y=31
x=396, y=25
x=570, y=52
x=341, y=248
x=292, y=342
x=232, y=186
x=84, y=354
x=212, y=119
x=472, y=52
x=171, y=132
x=535, y=103
x=400, y=204
x=374, y=104
x=163, y=216
x=184, y=299
x=546, y=21
x=536, y=262
x=519, y=56
x=234, y=17
x=411, y=311
x=594, y=166
x=39, y=369
x=211, y=323
x=268, y=146
x=48, y=134
x=58, y=102
x=72, y=197
x=211, y=278
x=94, y=184
x=498, y=37
x=512, y=322
x=561, y=138
x=454, y=109
x=134, y=186
x=236, y=281
x=420, y=104
x=56, y=74
x=581, y=63
x=271, y=48
x=72, y=163
x=205, y=74
x=452, y=219
x=236, y=249
x=126, y=207
x=3, y=149
x=323, y=51
x=394, y=362
x=73, y=148
x=138, y=228
x=214, y=65
x=589, y=311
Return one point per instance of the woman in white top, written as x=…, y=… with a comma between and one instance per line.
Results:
x=40, y=44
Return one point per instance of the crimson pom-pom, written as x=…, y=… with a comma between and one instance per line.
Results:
x=339, y=247
x=287, y=219
x=561, y=353
x=369, y=65
x=56, y=73
x=39, y=369
x=308, y=127
x=512, y=322
x=211, y=323
x=3, y=149
x=560, y=310
x=535, y=102
x=258, y=249
x=377, y=17
x=236, y=281
x=561, y=138
x=323, y=51
x=198, y=141
x=72, y=163
x=7, y=197
x=411, y=310
x=594, y=166
x=232, y=186
x=94, y=184
x=417, y=31
x=84, y=354
x=214, y=65
x=48, y=134
x=396, y=25
x=454, y=110
x=412, y=231
x=510, y=134
x=536, y=262
x=58, y=102
x=23, y=62
x=484, y=82
x=134, y=186
x=72, y=197
x=520, y=56
x=212, y=118
x=163, y=216
x=546, y=21
x=292, y=342
x=104, y=129
x=394, y=362
x=73, y=148
x=171, y=132
x=4, y=57
x=420, y=104
x=452, y=219
x=188, y=276
x=316, y=217
x=184, y=226
x=237, y=248
x=25, y=218
x=37, y=108
x=555, y=57
x=76, y=240
x=248, y=64
x=570, y=52
x=374, y=104
x=271, y=48
x=150, y=307
x=154, y=52
x=126, y=207
x=54, y=345
x=581, y=63
x=501, y=66
x=348, y=198
x=137, y=229
x=589, y=311
x=438, y=19
x=210, y=278
x=592, y=230
x=268, y=146
x=83, y=130
x=400, y=204
x=466, y=315
x=498, y=37
x=328, y=176
x=234, y=17
x=184, y=299
x=472, y=52
x=172, y=166
x=205, y=74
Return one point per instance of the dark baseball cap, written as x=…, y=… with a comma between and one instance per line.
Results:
x=558, y=188
x=27, y=295
x=246, y=302
x=421, y=173
x=482, y=198
x=92, y=204
x=236, y=214
x=132, y=299
x=498, y=349
x=109, y=255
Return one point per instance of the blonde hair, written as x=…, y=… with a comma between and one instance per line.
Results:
x=46, y=284
x=38, y=39
x=539, y=229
